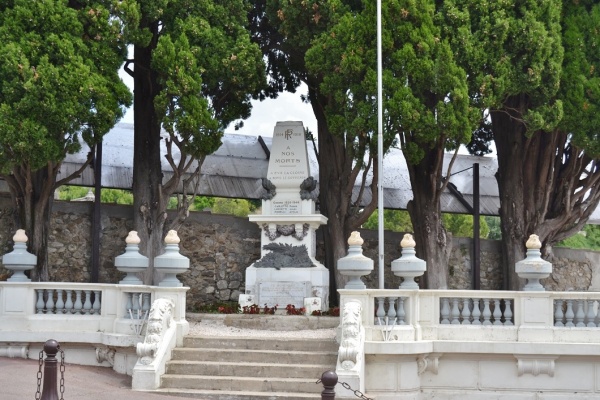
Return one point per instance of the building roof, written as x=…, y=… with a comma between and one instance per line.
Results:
x=237, y=167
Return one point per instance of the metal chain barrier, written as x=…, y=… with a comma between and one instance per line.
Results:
x=62, y=373
x=38, y=394
x=357, y=393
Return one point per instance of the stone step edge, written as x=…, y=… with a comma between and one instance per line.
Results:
x=259, y=339
x=238, y=394
x=245, y=364
x=241, y=378
x=273, y=352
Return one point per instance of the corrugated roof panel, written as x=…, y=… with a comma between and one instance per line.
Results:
x=236, y=169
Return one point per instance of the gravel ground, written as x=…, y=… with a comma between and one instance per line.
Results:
x=216, y=327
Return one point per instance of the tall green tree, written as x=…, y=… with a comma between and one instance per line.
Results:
x=426, y=103
x=285, y=31
x=58, y=87
x=195, y=71
x=534, y=66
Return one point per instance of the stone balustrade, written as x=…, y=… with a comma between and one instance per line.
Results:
x=428, y=336
x=104, y=318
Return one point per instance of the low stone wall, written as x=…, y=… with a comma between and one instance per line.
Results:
x=220, y=247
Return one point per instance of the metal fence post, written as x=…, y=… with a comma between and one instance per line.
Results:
x=329, y=380
x=50, y=391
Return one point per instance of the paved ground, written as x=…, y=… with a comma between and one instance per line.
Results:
x=18, y=381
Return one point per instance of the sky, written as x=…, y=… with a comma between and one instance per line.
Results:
x=265, y=114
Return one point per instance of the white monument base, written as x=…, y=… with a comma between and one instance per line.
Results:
x=280, y=287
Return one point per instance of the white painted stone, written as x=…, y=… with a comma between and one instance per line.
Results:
x=246, y=300
x=288, y=164
x=287, y=219
x=312, y=304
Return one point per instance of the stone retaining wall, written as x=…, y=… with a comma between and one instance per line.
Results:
x=220, y=247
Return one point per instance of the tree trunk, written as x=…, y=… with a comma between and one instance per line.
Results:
x=432, y=242
x=32, y=193
x=333, y=200
x=509, y=137
x=547, y=186
x=149, y=205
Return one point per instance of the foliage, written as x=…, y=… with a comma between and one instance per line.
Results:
x=237, y=207
x=115, y=196
x=461, y=225
x=202, y=202
x=533, y=66
x=58, y=87
x=426, y=102
x=291, y=309
x=393, y=220
x=195, y=70
x=334, y=312
x=589, y=239
x=493, y=224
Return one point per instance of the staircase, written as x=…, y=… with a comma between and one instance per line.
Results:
x=237, y=368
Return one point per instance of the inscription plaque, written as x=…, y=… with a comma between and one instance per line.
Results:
x=286, y=207
x=283, y=293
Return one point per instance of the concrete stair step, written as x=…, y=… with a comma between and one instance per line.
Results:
x=242, y=355
x=236, y=383
x=250, y=369
x=236, y=395
x=261, y=343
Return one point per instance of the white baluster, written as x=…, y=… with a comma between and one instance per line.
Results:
x=497, y=312
x=445, y=311
x=590, y=316
x=380, y=311
x=97, y=303
x=392, y=308
x=129, y=305
x=579, y=315
x=60, y=304
x=87, y=306
x=597, y=311
x=39, y=305
x=145, y=304
x=50, y=301
x=455, y=312
x=508, y=312
x=135, y=309
x=401, y=312
x=486, y=312
x=466, y=312
x=569, y=314
x=476, y=312
x=558, y=313
x=78, y=305
x=69, y=301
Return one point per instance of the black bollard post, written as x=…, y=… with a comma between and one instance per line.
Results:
x=50, y=391
x=329, y=379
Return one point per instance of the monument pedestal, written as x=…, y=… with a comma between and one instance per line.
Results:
x=287, y=272
x=280, y=287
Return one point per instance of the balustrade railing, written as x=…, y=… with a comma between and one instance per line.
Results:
x=68, y=301
x=476, y=311
x=96, y=308
x=390, y=310
x=507, y=316
x=577, y=313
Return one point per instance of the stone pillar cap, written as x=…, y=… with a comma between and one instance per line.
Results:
x=533, y=243
x=355, y=239
x=172, y=237
x=408, y=241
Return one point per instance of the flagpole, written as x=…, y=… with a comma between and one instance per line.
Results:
x=380, y=148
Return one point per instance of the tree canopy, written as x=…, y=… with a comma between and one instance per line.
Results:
x=195, y=70
x=58, y=85
x=533, y=66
